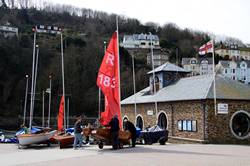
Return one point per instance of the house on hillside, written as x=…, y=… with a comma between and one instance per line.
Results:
x=236, y=70
x=8, y=31
x=142, y=41
x=160, y=57
x=185, y=107
x=233, y=52
x=200, y=66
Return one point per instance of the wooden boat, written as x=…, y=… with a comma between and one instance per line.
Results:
x=102, y=135
x=64, y=140
x=28, y=139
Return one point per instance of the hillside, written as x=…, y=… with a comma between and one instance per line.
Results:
x=83, y=38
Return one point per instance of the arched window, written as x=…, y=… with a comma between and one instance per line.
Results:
x=162, y=120
x=240, y=124
x=123, y=123
x=139, y=122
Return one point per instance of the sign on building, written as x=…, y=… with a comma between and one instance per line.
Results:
x=150, y=112
x=222, y=108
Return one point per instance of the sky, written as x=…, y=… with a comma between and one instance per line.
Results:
x=220, y=17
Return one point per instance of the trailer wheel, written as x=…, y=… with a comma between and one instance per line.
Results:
x=100, y=145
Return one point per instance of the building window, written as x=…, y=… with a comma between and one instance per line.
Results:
x=162, y=121
x=193, y=61
x=139, y=122
x=240, y=124
x=187, y=125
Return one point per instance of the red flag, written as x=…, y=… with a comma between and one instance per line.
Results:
x=108, y=81
x=206, y=48
x=60, y=115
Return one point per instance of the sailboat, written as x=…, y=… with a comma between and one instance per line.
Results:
x=44, y=135
x=64, y=138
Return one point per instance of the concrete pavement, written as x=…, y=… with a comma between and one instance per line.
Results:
x=146, y=155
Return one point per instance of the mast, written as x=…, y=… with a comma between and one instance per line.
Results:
x=50, y=85
x=63, y=88
x=153, y=68
x=32, y=80
x=43, y=111
x=133, y=66
x=26, y=95
x=118, y=55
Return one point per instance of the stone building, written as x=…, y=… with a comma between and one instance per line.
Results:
x=185, y=107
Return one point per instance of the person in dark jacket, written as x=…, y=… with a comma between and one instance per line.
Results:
x=77, y=132
x=114, y=127
x=131, y=128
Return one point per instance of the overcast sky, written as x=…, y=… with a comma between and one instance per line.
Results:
x=221, y=17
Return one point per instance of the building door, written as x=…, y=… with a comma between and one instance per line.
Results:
x=139, y=122
x=162, y=120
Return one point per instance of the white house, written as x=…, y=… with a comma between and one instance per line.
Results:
x=140, y=41
x=236, y=70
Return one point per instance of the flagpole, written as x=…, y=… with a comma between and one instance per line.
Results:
x=215, y=110
x=153, y=68
x=118, y=56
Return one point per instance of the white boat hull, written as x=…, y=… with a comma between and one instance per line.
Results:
x=28, y=139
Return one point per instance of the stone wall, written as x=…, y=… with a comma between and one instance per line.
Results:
x=218, y=126
x=185, y=110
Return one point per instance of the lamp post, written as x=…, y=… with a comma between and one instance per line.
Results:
x=26, y=95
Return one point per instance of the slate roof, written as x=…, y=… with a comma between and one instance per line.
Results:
x=194, y=88
x=225, y=63
x=141, y=37
x=168, y=67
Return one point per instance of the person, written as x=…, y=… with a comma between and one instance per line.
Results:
x=25, y=129
x=87, y=137
x=131, y=128
x=114, y=129
x=77, y=132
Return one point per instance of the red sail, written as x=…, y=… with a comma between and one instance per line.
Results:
x=108, y=81
x=60, y=115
